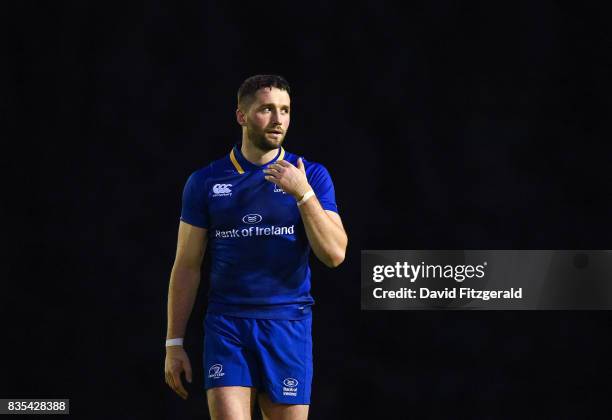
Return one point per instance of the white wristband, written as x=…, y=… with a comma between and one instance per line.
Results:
x=174, y=342
x=306, y=197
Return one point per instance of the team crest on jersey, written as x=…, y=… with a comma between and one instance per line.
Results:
x=279, y=189
x=222, y=190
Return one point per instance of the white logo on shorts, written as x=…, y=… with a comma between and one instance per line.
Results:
x=290, y=387
x=216, y=371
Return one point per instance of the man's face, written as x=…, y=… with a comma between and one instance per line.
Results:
x=267, y=118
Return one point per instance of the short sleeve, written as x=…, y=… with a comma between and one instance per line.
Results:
x=195, y=203
x=322, y=185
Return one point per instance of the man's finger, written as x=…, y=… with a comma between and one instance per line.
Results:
x=283, y=163
x=187, y=367
x=169, y=381
x=178, y=384
x=271, y=179
x=301, y=165
x=272, y=171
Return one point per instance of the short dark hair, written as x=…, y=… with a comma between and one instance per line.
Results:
x=247, y=90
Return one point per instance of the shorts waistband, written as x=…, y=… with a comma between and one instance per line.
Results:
x=291, y=311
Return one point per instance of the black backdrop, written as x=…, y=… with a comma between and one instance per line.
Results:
x=445, y=125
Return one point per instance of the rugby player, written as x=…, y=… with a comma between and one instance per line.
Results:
x=259, y=210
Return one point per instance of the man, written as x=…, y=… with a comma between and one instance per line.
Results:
x=260, y=209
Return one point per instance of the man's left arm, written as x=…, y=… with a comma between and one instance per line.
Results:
x=324, y=228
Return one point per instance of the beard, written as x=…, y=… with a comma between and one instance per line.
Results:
x=259, y=140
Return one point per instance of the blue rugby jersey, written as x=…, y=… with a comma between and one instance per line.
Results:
x=256, y=236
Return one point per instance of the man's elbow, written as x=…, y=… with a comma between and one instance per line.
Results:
x=335, y=260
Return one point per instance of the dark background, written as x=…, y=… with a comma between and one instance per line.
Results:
x=445, y=125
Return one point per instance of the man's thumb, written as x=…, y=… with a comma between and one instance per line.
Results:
x=188, y=372
x=301, y=165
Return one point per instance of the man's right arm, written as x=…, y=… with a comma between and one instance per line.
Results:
x=184, y=282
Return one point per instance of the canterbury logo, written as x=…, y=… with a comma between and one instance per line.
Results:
x=222, y=188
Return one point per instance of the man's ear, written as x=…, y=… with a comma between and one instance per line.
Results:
x=240, y=117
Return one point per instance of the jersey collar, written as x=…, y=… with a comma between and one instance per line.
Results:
x=242, y=165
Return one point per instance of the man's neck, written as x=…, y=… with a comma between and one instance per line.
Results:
x=255, y=155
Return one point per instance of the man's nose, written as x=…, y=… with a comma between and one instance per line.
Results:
x=276, y=118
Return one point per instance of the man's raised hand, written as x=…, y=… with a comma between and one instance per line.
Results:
x=290, y=178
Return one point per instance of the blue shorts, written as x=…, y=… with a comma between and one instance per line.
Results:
x=273, y=355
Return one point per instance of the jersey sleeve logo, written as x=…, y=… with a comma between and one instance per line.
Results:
x=222, y=190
